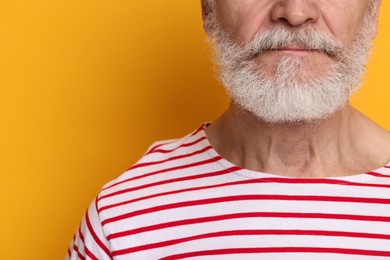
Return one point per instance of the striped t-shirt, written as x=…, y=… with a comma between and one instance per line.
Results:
x=182, y=200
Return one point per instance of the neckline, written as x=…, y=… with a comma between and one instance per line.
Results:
x=257, y=174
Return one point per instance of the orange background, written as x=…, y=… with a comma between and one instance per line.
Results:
x=87, y=86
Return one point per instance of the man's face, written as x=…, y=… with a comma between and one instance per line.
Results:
x=277, y=49
x=339, y=19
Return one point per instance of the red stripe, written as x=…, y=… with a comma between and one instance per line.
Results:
x=257, y=197
x=214, y=159
x=181, y=146
x=251, y=181
x=90, y=254
x=200, y=128
x=243, y=198
x=212, y=174
x=81, y=235
x=295, y=181
x=250, y=233
x=378, y=174
x=171, y=159
x=73, y=242
x=230, y=251
x=153, y=149
x=76, y=249
x=242, y=216
x=159, y=145
x=161, y=182
x=95, y=237
x=387, y=166
x=322, y=181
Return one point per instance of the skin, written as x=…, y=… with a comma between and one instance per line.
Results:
x=341, y=20
x=347, y=143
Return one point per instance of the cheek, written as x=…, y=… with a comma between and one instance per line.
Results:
x=246, y=20
x=343, y=21
x=349, y=32
x=248, y=26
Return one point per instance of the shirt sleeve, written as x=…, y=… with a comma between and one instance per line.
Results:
x=89, y=242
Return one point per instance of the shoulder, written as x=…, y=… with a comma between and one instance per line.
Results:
x=162, y=155
x=162, y=161
x=164, y=164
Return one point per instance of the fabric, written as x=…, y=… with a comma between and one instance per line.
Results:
x=182, y=200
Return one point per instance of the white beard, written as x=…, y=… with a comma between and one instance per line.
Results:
x=290, y=95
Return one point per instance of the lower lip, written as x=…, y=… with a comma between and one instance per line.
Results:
x=298, y=52
x=294, y=50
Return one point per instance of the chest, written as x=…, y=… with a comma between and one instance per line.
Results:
x=252, y=220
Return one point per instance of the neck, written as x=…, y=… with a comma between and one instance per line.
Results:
x=337, y=146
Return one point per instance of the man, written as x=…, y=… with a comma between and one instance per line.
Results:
x=290, y=171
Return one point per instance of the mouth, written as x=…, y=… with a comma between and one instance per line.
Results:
x=294, y=49
x=291, y=50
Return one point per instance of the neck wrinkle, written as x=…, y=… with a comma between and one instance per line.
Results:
x=320, y=149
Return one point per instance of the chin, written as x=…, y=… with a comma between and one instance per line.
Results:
x=297, y=69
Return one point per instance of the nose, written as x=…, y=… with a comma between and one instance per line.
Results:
x=295, y=12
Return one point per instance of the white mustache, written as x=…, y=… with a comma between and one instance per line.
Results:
x=280, y=37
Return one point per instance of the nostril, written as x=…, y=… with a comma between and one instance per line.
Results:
x=294, y=12
x=285, y=22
